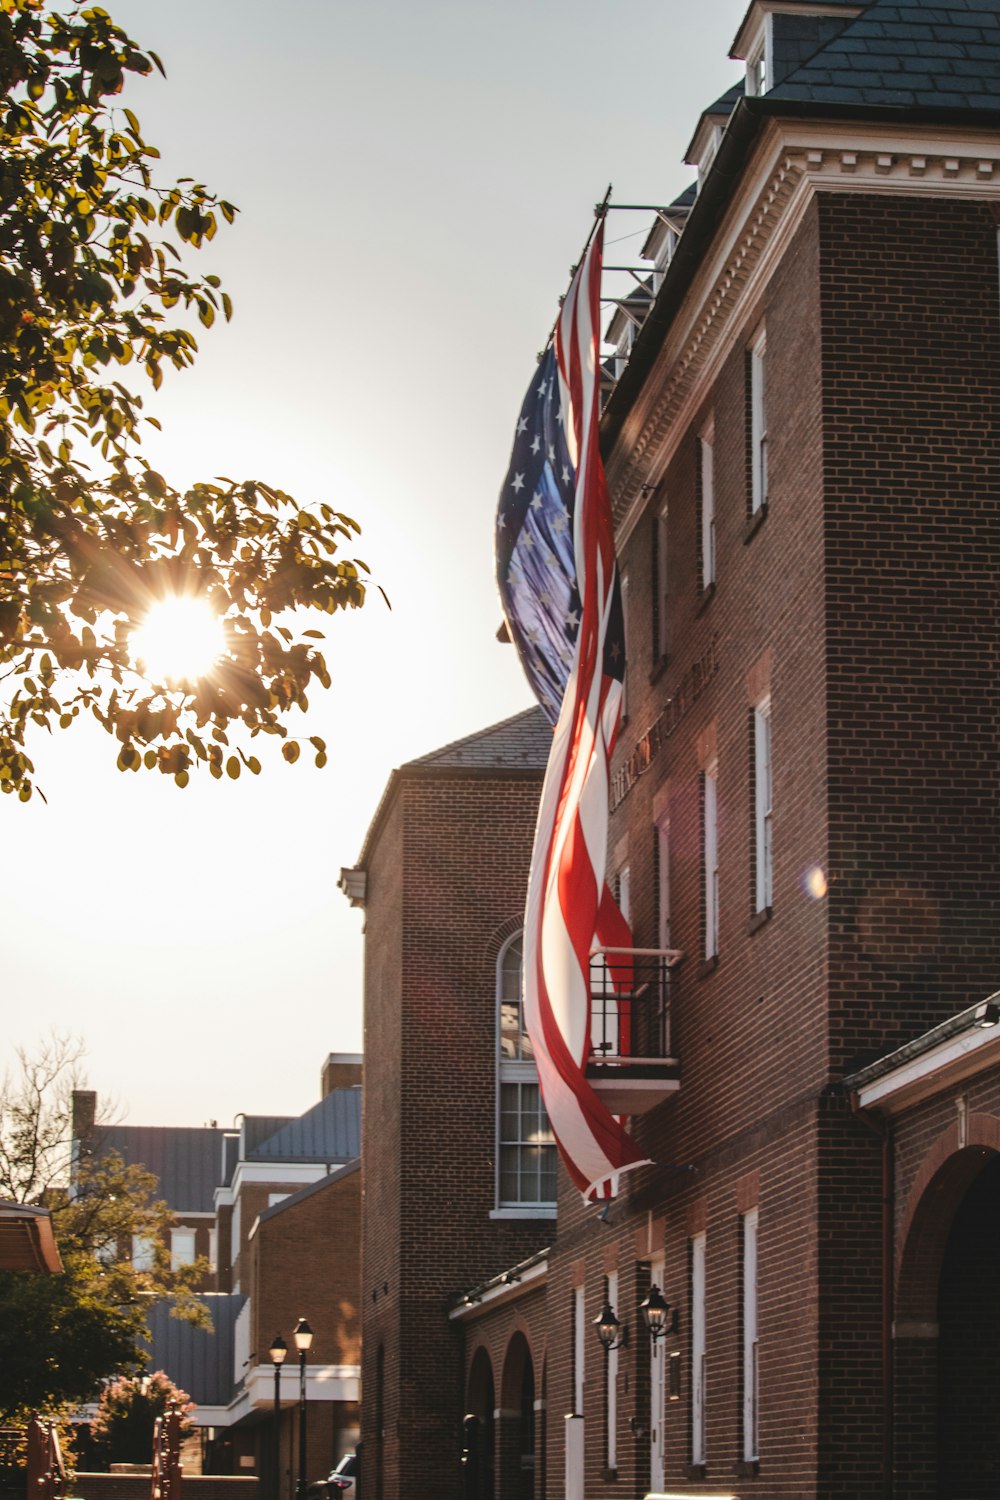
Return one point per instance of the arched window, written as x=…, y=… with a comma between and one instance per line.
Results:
x=526, y=1151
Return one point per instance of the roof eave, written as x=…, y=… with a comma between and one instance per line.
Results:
x=745, y=124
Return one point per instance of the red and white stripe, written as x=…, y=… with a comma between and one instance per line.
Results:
x=567, y=899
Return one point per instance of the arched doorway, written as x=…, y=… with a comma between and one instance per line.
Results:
x=517, y=1434
x=478, y=1439
x=947, y=1327
x=969, y=1345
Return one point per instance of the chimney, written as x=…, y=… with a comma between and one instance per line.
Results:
x=342, y=1070
x=84, y=1116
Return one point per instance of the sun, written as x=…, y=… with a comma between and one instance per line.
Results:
x=181, y=638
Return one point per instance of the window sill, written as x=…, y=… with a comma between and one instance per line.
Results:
x=754, y=522
x=760, y=919
x=747, y=1468
x=707, y=595
x=708, y=966
x=529, y=1211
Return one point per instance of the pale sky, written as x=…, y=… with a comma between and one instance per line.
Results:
x=415, y=178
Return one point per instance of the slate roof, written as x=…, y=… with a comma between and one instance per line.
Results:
x=187, y=1161
x=727, y=102
x=927, y=54
x=523, y=741
x=196, y=1359
x=330, y=1131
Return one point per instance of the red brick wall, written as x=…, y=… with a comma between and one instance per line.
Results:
x=912, y=407
x=305, y=1262
x=446, y=886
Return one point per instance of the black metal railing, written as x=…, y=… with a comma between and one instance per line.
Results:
x=630, y=994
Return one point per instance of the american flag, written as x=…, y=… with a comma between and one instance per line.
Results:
x=561, y=595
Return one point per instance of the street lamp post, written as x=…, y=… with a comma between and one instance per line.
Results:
x=277, y=1351
x=303, y=1338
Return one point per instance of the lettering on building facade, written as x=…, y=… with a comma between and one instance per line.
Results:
x=692, y=685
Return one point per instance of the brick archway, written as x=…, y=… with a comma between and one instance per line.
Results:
x=947, y=1175
x=479, y=1437
x=517, y=1445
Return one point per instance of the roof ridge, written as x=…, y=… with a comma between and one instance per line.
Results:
x=480, y=737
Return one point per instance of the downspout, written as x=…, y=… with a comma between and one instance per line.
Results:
x=882, y=1127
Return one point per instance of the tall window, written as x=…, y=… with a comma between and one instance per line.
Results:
x=143, y=1252
x=526, y=1152
x=625, y=632
x=579, y=1348
x=710, y=855
x=758, y=423
x=662, y=597
x=182, y=1248
x=750, y=1366
x=763, y=879
x=663, y=923
x=706, y=443
x=611, y=1383
x=698, y=1348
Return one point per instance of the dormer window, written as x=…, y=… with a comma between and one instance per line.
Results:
x=714, y=138
x=757, y=71
x=778, y=36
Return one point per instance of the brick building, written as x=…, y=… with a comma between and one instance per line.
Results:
x=441, y=879
x=274, y=1204
x=800, y=441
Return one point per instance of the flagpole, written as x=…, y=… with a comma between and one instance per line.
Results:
x=600, y=213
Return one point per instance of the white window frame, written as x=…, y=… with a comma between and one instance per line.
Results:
x=513, y=1071
x=664, y=257
x=625, y=892
x=710, y=854
x=579, y=1348
x=657, y=1392
x=706, y=440
x=611, y=1375
x=663, y=919
x=182, y=1238
x=625, y=632
x=143, y=1252
x=762, y=791
x=662, y=595
x=751, y=1366
x=698, y=1331
x=758, y=422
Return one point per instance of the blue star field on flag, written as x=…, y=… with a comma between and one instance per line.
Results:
x=536, y=568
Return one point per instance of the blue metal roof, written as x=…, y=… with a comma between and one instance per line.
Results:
x=187, y=1161
x=329, y=1132
x=198, y=1360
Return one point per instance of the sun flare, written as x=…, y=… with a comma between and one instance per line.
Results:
x=180, y=638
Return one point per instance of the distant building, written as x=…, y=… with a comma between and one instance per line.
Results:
x=275, y=1205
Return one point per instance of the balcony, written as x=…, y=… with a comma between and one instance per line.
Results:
x=630, y=1067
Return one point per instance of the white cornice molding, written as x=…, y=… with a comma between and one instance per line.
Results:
x=502, y=1292
x=795, y=159
x=950, y=1062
